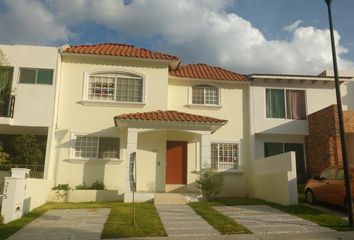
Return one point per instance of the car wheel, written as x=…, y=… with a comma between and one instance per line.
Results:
x=310, y=198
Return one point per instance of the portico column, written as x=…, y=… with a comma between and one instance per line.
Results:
x=205, y=155
x=132, y=142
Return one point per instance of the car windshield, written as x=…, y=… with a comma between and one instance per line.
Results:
x=328, y=173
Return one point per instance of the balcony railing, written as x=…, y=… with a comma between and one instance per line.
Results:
x=7, y=106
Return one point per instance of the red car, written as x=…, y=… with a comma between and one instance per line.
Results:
x=328, y=187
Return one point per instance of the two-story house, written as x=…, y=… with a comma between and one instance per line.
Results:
x=28, y=77
x=117, y=100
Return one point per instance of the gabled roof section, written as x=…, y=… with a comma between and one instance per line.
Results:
x=204, y=71
x=170, y=116
x=121, y=50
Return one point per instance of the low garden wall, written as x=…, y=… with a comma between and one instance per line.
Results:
x=36, y=193
x=274, y=179
x=84, y=195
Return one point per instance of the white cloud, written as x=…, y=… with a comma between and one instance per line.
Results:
x=196, y=30
x=293, y=26
x=29, y=22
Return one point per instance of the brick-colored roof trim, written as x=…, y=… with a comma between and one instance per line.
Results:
x=204, y=71
x=171, y=116
x=122, y=50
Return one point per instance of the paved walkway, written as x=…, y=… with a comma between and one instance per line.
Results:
x=73, y=224
x=262, y=219
x=181, y=220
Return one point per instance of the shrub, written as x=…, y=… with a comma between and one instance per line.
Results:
x=210, y=183
x=1, y=220
x=98, y=186
x=64, y=187
x=82, y=187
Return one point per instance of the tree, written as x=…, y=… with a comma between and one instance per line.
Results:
x=4, y=157
x=3, y=59
x=28, y=150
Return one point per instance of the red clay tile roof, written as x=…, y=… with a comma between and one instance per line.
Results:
x=122, y=50
x=204, y=71
x=172, y=116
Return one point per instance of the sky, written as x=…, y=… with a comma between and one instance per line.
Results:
x=246, y=36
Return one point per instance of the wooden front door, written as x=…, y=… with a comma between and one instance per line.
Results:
x=176, y=162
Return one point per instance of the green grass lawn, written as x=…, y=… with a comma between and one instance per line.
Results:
x=220, y=222
x=118, y=224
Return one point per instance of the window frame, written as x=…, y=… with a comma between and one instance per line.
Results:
x=239, y=154
x=36, y=76
x=73, y=137
x=204, y=105
x=86, y=101
x=285, y=102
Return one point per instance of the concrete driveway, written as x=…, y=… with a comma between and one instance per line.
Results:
x=73, y=224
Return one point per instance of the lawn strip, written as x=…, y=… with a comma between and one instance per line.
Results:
x=118, y=224
x=220, y=222
x=323, y=219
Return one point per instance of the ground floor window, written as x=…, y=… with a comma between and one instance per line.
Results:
x=224, y=156
x=271, y=149
x=96, y=147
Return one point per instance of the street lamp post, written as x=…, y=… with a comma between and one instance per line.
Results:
x=341, y=123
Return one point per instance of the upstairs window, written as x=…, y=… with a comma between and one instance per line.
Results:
x=115, y=87
x=289, y=104
x=36, y=76
x=205, y=94
x=96, y=147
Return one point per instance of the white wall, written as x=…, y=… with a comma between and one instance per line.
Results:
x=34, y=102
x=274, y=179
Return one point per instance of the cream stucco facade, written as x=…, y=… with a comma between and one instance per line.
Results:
x=77, y=115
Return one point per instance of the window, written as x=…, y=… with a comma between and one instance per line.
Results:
x=271, y=149
x=96, y=147
x=204, y=94
x=224, y=156
x=328, y=173
x=115, y=87
x=36, y=76
x=288, y=104
x=340, y=174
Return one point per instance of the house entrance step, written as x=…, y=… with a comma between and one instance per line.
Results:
x=170, y=199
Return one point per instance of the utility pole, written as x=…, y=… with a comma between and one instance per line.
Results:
x=348, y=188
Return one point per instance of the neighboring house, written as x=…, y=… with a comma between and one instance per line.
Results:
x=117, y=100
x=323, y=145
x=280, y=105
x=27, y=89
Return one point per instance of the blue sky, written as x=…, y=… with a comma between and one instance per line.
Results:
x=277, y=36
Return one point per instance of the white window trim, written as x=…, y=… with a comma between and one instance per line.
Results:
x=239, y=165
x=35, y=80
x=73, y=159
x=203, y=106
x=280, y=88
x=91, y=102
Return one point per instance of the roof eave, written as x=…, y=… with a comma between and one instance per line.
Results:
x=247, y=81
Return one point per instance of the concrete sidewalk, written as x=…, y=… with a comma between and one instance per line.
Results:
x=299, y=236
